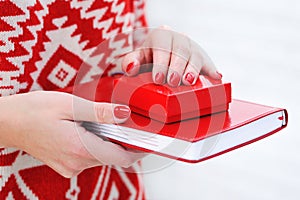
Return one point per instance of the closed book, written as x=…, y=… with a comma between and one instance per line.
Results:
x=191, y=140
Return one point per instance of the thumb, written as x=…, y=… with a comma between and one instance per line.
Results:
x=84, y=110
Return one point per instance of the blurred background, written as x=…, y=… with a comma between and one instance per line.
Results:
x=256, y=45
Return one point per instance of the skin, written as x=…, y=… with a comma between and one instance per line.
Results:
x=52, y=136
x=170, y=52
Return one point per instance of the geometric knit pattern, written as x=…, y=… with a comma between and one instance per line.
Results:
x=43, y=44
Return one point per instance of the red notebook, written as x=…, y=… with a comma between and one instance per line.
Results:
x=191, y=140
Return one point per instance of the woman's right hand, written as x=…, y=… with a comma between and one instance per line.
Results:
x=42, y=124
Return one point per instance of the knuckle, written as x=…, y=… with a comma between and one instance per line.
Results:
x=192, y=67
x=181, y=51
x=198, y=55
x=196, y=60
x=183, y=48
x=100, y=113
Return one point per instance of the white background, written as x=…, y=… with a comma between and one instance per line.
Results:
x=256, y=45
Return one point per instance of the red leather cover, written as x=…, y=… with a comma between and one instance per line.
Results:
x=168, y=104
x=239, y=114
x=193, y=130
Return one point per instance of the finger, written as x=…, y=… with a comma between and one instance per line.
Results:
x=132, y=61
x=194, y=65
x=137, y=61
x=84, y=110
x=210, y=69
x=161, y=45
x=106, y=152
x=199, y=63
x=180, y=56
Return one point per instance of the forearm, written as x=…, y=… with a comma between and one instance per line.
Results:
x=7, y=121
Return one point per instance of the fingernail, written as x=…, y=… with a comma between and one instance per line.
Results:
x=219, y=75
x=174, y=79
x=189, y=77
x=130, y=67
x=159, y=78
x=122, y=112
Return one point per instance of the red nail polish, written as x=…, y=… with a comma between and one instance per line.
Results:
x=189, y=77
x=219, y=74
x=159, y=78
x=130, y=67
x=121, y=112
x=174, y=79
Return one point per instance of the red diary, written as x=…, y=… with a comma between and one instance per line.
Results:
x=168, y=104
x=191, y=140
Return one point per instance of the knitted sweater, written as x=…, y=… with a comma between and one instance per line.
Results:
x=43, y=43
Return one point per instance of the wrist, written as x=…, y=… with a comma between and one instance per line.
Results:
x=7, y=121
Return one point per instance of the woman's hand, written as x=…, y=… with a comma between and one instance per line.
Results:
x=174, y=56
x=42, y=124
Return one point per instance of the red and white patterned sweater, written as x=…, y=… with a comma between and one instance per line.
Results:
x=42, y=45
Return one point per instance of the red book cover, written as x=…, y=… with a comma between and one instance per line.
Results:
x=190, y=140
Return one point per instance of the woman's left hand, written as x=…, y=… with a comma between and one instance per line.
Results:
x=174, y=59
